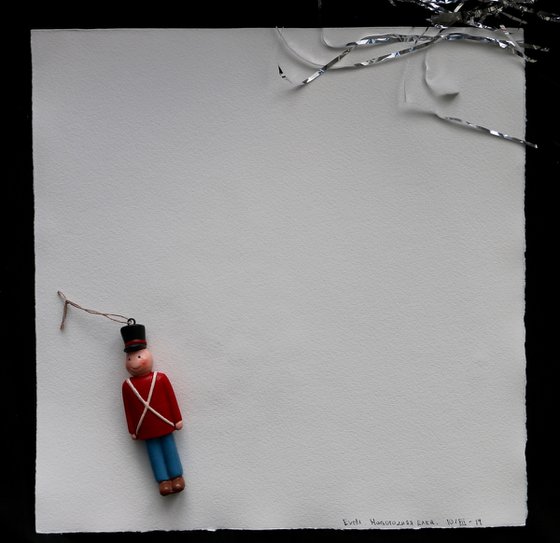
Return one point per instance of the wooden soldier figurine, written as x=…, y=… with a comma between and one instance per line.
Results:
x=152, y=412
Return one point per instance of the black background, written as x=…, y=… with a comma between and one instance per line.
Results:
x=17, y=287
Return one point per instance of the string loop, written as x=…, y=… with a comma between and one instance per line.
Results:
x=112, y=316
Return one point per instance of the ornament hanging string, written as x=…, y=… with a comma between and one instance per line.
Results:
x=112, y=316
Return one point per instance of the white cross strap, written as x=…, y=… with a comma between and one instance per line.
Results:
x=146, y=403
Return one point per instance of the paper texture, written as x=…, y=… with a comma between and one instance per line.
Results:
x=332, y=282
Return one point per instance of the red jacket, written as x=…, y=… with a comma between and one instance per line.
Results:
x=163, y=401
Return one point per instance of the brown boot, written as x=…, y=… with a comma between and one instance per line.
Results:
x=178, y=484
x=165, y=488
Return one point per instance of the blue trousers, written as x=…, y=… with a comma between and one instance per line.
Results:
x=164, y=459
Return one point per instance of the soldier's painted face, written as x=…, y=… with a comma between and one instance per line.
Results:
x=139, y=362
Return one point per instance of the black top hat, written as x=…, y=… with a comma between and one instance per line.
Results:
x=134, y=336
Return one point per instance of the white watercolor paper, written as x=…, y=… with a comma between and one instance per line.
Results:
x=332, y=281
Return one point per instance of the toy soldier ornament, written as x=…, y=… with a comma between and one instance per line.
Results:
x=151, y=408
